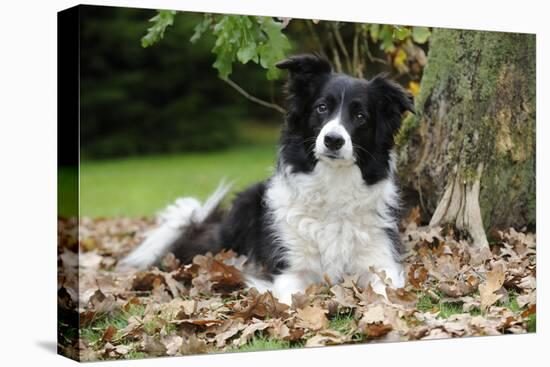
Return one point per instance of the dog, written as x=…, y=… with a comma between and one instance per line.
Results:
x=331, y=207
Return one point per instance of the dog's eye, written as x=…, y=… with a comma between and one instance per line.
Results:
x=322, y=108
x=360, y=117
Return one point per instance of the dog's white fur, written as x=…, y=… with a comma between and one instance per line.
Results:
x=345, y=152
x=331, y=224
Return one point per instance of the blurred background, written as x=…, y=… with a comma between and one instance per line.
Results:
x=163, y=106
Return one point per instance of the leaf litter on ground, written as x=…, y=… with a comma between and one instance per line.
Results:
x=203, y=307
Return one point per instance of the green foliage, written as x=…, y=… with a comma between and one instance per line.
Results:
x=389, y=36
x=161, y=21
x=245, y=39
x=420, y=34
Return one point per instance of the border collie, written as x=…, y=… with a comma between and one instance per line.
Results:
x=330, y=208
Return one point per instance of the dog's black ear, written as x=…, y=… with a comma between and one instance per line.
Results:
x=306, y=74
x=388, y=101
x=306, y=64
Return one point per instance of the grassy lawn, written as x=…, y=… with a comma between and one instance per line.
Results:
x=140, y=186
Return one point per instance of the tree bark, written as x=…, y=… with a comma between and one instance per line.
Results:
x=469, y=152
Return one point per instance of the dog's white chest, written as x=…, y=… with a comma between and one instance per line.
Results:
x=329, y=221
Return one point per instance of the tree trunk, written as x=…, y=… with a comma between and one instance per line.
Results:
x=469, y=152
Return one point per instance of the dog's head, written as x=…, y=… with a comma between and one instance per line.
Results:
x=340, y=120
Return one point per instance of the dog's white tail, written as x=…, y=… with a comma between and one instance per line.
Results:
x=173, y=222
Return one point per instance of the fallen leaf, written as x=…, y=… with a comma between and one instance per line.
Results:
x=312, y=317
x=193, y=345
x=152, y=346
x=417, y=275
x=172, y=343
x=109, y=333
x=493, y=282
x=326, y=337
x=343, y=296
x=373, y=314
x=231, y=328
x=402, y=297
x=249, y=331
x=263, y=305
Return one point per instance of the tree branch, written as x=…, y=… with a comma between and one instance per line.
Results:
x=342, y=46
x=336, y=57
x=252, y=98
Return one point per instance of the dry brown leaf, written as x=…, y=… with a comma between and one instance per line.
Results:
x=417, y=275
x=300, y=300
x=133, y=328
x=152, y=346
x=147, y=280
x=527, y=299
x=231, y=328
x=193, y=345
x=101, y=303
x=376, y=330
x=262, y=305
x=249, y=331
x=109, y=333
x=170, y=262
x=312, y=317
x=458, y=288
x=279, y=330
x=326, y=337
x=343, y=296
x=494, y=281
x=436, y=334
x=368, y=296
x=373, y=314
x=402, y=297
x=374, y=322
x=172, y=343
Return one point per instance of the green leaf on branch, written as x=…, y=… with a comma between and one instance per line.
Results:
x=374, y=32
x=162, y=20
x=401, y=33
x=249, y=38
x=275, y=48
x=386, y=37
x=201, y=28
x=247, y=53
x=420, y=34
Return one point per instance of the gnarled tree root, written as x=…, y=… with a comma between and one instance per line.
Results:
x=460, y=206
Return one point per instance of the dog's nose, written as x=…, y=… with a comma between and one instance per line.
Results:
x=334, y=141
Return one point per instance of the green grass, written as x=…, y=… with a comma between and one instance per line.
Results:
x=444, y=309
x=342, y=323
x=532, y=323
x=93, y=332
x=447, y=309
x=142, y=186
x=262, y=342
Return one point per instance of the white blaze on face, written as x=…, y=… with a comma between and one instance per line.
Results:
x=345, y=153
